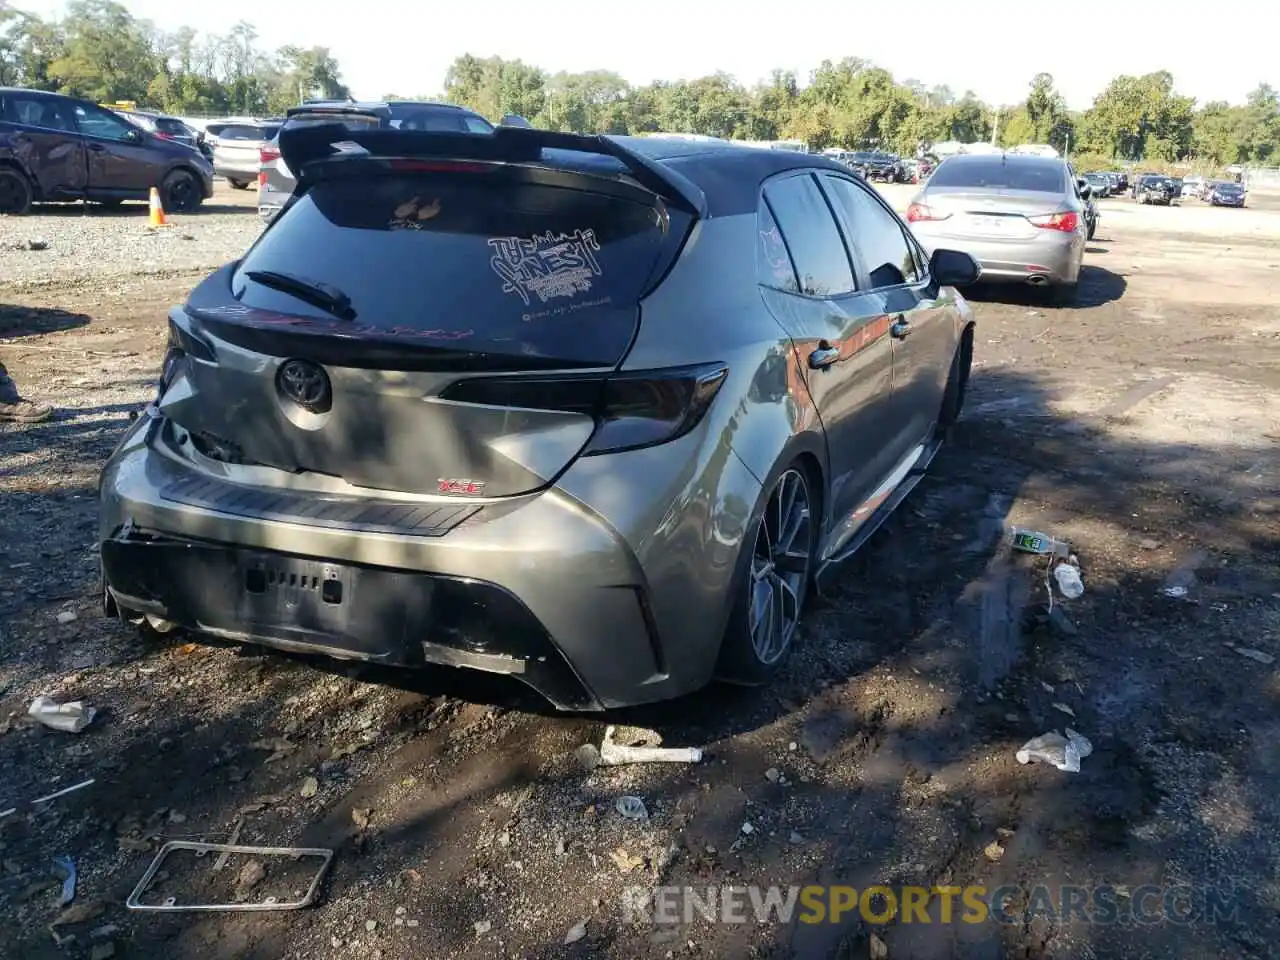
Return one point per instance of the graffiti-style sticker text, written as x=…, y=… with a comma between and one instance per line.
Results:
x=547, y=265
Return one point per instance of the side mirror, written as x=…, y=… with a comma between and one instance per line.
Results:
x=1086, y=191
x=951, y=268
x=515, y=120
x=133, y=135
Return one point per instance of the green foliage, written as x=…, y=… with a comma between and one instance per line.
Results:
x=97, y=50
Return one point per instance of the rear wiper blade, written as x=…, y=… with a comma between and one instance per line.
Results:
x=315, y=292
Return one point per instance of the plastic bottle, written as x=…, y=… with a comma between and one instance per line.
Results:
x=1069, y=582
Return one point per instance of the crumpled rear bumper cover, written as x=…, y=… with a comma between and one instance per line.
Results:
x=393, y=617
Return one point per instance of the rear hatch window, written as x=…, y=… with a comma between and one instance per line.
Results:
x=997, y=174
x=515, y=272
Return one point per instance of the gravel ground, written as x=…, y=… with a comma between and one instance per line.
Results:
x=1141, y=425
x=68, y=245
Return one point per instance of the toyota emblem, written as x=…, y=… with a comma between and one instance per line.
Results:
x=306, y=384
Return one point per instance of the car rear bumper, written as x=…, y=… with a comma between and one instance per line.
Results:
x=235, y=171
x=1053, y=257
x=571, y=613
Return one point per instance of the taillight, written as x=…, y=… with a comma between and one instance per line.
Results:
x=266, y=155
x=631, y=410
x=164, y=136
x=1066, y=222
x=920, y=211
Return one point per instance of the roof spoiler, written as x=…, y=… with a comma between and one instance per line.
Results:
x=303, y=145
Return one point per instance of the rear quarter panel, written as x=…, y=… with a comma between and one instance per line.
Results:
x=685, y=507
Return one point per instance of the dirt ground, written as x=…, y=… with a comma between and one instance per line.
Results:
x=1141, y=425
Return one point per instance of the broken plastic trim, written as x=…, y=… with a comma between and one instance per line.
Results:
x=303, y=145
x=200, y=849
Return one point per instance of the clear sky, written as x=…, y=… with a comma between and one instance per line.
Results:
x=993, y=47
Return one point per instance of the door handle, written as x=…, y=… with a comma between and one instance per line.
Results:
x=824, y=356
x=900, y=329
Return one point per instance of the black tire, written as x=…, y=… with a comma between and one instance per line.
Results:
x=747, y=656
x=957, y=382
x=1093, y=228
x=238, y=184
x=16, y=194
x=181, y=193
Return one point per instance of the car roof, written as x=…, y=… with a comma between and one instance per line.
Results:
x=1013, y=159
x=728, y=174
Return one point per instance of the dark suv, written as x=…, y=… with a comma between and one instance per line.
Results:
x=591, y=412
x=56, y=148
x=275, y=179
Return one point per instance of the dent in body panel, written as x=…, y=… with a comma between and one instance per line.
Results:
x=683, y=509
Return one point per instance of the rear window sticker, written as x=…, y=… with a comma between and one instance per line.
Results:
x=546, y=266
x=412, y=214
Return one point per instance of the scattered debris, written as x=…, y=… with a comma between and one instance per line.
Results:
x=878, y=949
x=482, y=927
x=248, y=877
x=1265, y=659
x=632, y=808
x=279, y=747
x=37, y=245
x=1176, y=593
x=67, y=717
x=370, y=926
x=576, y=932
x=1063, y=708
x=1068, y=579
x=1065, y=753
x=1148, y=544
x=360, y=816
x=64, y=869
x=102, y=951
x=81, y=912
x=795, y=837
x=587, y=756
x=66, y=616
x=748, y=829
x=1032, y=541
x=993, y=851
x=52, y=796
x=773, y=774
x=232, y=839
x=310, y=787
x=626, y=862
x=613, y=754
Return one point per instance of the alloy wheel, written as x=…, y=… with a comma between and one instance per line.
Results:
x=780, y=567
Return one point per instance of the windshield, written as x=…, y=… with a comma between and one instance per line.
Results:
x=1001, y=173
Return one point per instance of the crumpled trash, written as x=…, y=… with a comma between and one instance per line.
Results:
x=1068, y=577
x=67, y=717
x=632, y=808
x=612, y=754
x=1065, y=753
x=64, y=868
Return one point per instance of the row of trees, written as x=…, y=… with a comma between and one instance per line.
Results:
x=99, y=51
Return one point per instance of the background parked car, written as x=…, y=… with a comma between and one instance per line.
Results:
x=252, y=445
x=56, y=148
x=275, y=179
x=237, y=152
x=1193, y=186
x=1154, y=188
x=1100, y=184
x=1226, y=194
x=1021, y=216
x=164, y=126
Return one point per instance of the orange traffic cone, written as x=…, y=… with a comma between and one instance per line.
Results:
x=157, y=210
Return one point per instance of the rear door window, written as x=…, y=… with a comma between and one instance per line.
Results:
x=46, y=112
x=1001, y=174
x=874, y=233
x=806, y=224
x=459, y=261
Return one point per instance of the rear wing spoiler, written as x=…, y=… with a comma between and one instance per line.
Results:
x=301, y=146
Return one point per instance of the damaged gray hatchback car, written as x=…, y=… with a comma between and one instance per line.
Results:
x=593, y=412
